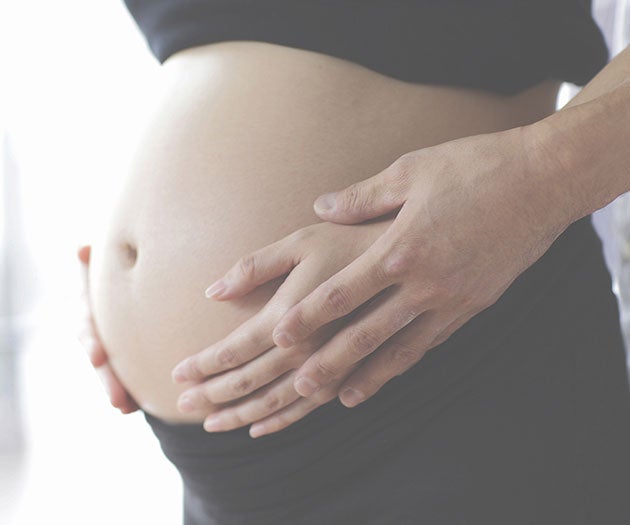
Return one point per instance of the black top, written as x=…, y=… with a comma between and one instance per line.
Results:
x=498, y=45
x=523, y=415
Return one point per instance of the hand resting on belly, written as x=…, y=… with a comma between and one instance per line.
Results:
x=227, y=165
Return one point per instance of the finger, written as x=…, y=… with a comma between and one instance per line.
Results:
x=364, y=334
x=367, y=275
x=84, y=257
x=247, y=341
x=83, y=253
x=367, y=199
x=249, y=377
x=257, y=268
x=94, y=348
x=87, y=335
x=239, y=382
x=396, y=356
x=262, y=403
x=253, y=337
x=269, y=399
x=89, y=339
x=118, y=396
x=285, y=417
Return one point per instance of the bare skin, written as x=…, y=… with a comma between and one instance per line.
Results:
x=474, y=213
x=221, y=154
x=88, y=336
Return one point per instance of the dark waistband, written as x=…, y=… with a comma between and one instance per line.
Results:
x=578, y=242
x=222, y=463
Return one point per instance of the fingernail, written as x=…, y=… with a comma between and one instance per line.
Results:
x=212, y=424
x=306, y=386
x=351, y=397
x=179, y=372
x=258, y=429
x=325, y=202
x=215, y=289
x=282, y=338
x=185, y=404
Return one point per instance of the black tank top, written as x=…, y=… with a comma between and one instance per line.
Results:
x=498, y=45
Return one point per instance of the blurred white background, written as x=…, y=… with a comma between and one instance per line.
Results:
x=77, y=78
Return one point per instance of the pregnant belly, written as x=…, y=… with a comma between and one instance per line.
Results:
x=244, y=136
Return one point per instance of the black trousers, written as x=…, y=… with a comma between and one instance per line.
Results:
x=521, y=417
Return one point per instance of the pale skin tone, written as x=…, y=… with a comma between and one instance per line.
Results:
x=459, y=222
x=118, y=396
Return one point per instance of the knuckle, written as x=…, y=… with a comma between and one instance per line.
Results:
x=361, y=341
x=404, y=167
x=203, y=396
x=398, y=262
x=400, y=174
x=271, y=403
x=351, y=198
x=298, y=319
x=247, y=266
x=337, y=300
x=404, y=356
x=236, y=420
x=226, y=356
x=240, y=384
x=195, y=368
x=325, y=369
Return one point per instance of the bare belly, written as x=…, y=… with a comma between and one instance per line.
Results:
x=244, y=137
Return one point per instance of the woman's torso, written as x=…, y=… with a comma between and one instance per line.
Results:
x=244, y=137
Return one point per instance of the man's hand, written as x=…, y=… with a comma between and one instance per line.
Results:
x=474, y=214
x=88, y=336
x=250, y=374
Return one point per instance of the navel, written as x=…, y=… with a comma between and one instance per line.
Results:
x=129, y=254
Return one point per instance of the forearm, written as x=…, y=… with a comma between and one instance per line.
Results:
x=582, y=152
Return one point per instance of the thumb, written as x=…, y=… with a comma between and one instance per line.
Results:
x=363, y=200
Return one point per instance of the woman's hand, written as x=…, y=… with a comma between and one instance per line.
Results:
x=253, y=367
x=474, y=214
x=88, y=336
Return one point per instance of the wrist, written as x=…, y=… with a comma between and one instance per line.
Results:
x=579, y=154
x=552, y=161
